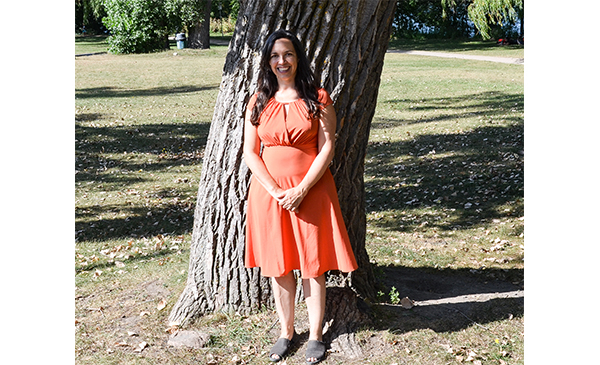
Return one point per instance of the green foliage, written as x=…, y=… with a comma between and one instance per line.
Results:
x=186, y=12
x=484, y=13
x=88, y=16
x=136, y=26
x=394, y=296
x=223, y=8
x=415, y=19
x=141, y=26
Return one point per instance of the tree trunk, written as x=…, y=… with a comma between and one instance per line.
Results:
x=199, y=34
x=347, y=41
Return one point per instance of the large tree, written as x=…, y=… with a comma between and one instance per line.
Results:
x=484, y=13
x=346, y=41
x=199, y=28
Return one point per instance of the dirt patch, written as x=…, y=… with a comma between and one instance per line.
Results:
x=130, y=328
x=451, y=300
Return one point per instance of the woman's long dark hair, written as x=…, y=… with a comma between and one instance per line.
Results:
x=305, y=83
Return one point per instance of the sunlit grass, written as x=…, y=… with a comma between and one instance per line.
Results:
x=444, y=191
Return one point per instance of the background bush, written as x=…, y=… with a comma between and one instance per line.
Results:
x=141, y=26
x=136, y=26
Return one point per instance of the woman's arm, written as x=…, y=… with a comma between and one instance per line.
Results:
x=326, y=143
x=255, y=162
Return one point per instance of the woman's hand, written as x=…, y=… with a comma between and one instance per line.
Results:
x=292, y=198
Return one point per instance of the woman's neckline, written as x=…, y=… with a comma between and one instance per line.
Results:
x=285, y=102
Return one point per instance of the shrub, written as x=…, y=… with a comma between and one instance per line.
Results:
x=140, y=26
x=136, y=26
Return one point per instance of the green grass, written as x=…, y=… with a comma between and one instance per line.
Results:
x=90, y=44
x=99, y=43
x=444, y=182
x=444, y=166
x=471, y=47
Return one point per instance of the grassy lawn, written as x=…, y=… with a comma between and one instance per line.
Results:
x=471, y=47
x=90, y=44
x=444, y=181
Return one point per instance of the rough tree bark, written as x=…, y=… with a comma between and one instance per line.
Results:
x=347, y=41
x=199, y=34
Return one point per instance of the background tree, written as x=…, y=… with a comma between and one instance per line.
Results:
x=486, y=13
x=347, y=41
x=139, y=26
x=224, y=15
x=415, y=19
x=198, y=26
x=89, y=14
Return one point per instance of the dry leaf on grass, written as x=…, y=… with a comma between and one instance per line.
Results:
x=142, y=345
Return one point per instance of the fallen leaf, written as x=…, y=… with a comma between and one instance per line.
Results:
x=172, y=329
x=471, y=355
x=211, y=360
x=131, y=333
x=161, y=305
x=142, y=345
x=407, y=303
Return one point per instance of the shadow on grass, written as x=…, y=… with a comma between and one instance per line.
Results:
x=450, y=300
x=488, y=105
x=116, y=92
x=449, y=181
x=90, y=38
x=447, y=45
x=175, y=218
x=100, y=265
x=171, y=142
x=114, y=156
x=466, y=178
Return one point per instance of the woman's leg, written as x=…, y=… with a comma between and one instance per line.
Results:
x=314, y=292
x=284, y=292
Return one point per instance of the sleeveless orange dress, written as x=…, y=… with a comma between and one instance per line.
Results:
x=313, y=239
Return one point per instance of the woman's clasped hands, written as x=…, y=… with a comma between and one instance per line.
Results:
x=289, y=199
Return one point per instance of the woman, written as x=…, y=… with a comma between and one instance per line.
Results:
x=294, y=220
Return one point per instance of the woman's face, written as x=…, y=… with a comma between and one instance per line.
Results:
x=283, y=60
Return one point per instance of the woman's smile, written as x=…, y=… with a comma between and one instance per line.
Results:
x=284, y=61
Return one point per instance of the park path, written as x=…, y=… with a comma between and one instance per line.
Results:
x=432, y=54
x=462, y=56
x=218, y=42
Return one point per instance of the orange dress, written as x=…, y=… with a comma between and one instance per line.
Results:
x=313, y=239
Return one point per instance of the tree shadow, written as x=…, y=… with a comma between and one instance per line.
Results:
x=117, y=92
x=447, y=45
x=152, y=148
x=172, y=143
x=175, y=217
x=488, y=105
x=450, y=300
x=90, y=38
x=133, y=258
x=448, y=181
x=472, y=175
